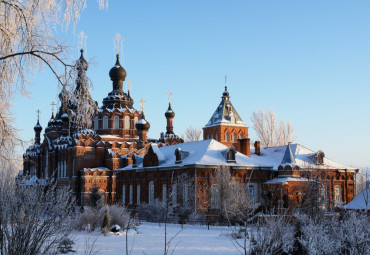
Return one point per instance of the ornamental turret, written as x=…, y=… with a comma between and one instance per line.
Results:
x=170, y=114
x=142, y=127
x=37, y=129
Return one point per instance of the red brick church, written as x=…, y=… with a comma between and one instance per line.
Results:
x=116, y=156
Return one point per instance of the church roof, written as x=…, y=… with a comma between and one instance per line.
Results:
x=225, y=114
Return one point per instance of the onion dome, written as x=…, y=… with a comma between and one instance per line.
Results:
x=142, y=124
x=65, y=117
x=169, y=113
x=37, y=127
x=117, y=72
x=81, y=62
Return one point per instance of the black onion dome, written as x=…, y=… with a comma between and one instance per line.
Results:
x=169, y=113
x=117, y=72
x=142, y=124
x=64, y=117
x=81, y=62
x=37, y=127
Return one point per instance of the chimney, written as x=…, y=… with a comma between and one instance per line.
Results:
x=257, y=147
x=244, y=146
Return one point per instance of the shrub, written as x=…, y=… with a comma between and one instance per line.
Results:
x=106, y=221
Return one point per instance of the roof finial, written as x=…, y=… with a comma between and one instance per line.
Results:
x=38, y=115
x=225, y=82
x=142, y=101
x=128, y=85
x=52, y=108
x=82, y=41
x=169, y=96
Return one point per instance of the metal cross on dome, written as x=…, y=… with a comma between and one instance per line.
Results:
x=117, y=43
x=38, y=115
x=128, y=85
x=169, y=96
x=82, y=40
x=142, y=101
x=52, y=107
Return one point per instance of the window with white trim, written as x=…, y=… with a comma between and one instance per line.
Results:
x=337, y=195
x=164, y=193
x=127, y=123
x=124, y=194
x=116, y=122
x=131, y=195
x=215, y=196
x=138, y=194
x=252, y=192
x=151, y=192
x=105, y=122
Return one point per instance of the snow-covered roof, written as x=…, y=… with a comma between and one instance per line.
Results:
x=285, y=179
x=304, y=157
x=206, y=152
x=360, y=202
x=225, y=114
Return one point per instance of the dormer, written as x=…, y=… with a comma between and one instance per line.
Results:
x=178, y=156
x=320, y=157
x=229, y=154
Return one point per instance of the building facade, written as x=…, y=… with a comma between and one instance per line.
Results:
x=115, y=157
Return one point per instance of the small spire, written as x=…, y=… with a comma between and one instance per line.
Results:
x=82, y=53
x=117, y=61
x=225, y=82
x=288, y=157
x=38, y=115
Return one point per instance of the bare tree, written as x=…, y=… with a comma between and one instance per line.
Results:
x=192, y=134
x=27, y=45
x=270, y=131
x=34, y=219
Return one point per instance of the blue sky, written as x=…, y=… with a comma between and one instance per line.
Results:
x=309, y=61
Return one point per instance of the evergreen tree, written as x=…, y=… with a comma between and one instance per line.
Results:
x=298, y=248
x=94, y=196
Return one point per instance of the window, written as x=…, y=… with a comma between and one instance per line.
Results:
x=234, y=137
x=174, y=194
x=215, y=196
x=58, y=170
x=164, y=193
x=322, y=196
x=241, y=136
x=65, y=168
x=185, y=194
x=96, y=123
x=151, y=192
x=337, y=195
x=138, y=194
x=116, y=122
x=131, y=195
x=123, y=194
x=127, y=123
x=135, y=120
x=227, y=137
x=252, y=193
x=105, y=122
x=230, y=154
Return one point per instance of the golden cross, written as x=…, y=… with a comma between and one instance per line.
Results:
x=128, y=85
x=38, y=115
x=117, y=43
x=142, y=101
x=169, y=96
x=52, y=107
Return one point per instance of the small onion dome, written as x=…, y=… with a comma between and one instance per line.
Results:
x=81, y=62
x=117, y=72
x=37, y=127
x=64, y=117
x=142, y=124
x=226, y=93
x=169, y=113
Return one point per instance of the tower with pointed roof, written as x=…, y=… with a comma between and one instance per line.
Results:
x=225, y=125
x=37, y=129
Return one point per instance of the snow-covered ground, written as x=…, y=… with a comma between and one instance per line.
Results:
x=193, y=239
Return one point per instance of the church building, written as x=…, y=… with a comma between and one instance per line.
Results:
x=115, y=156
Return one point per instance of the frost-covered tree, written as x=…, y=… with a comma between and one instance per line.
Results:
x=34, y=219
x=192, y=134
x=270, y=131
x=27, y=45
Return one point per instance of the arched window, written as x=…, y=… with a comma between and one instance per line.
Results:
x=131, y=195
x=151, y=192
x=164, y=194
x=227, y=137
x=215, y=196
x=135, y=120
x=337, y=195
x=105, y=122
x=241, y=136
x=127, y=123
x=123, y=194
x=116, y=122
x=234, y=137
x=174, y=194
x=96, y=123
x=138, y=194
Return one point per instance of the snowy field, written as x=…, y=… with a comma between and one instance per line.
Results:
x=193, y=239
